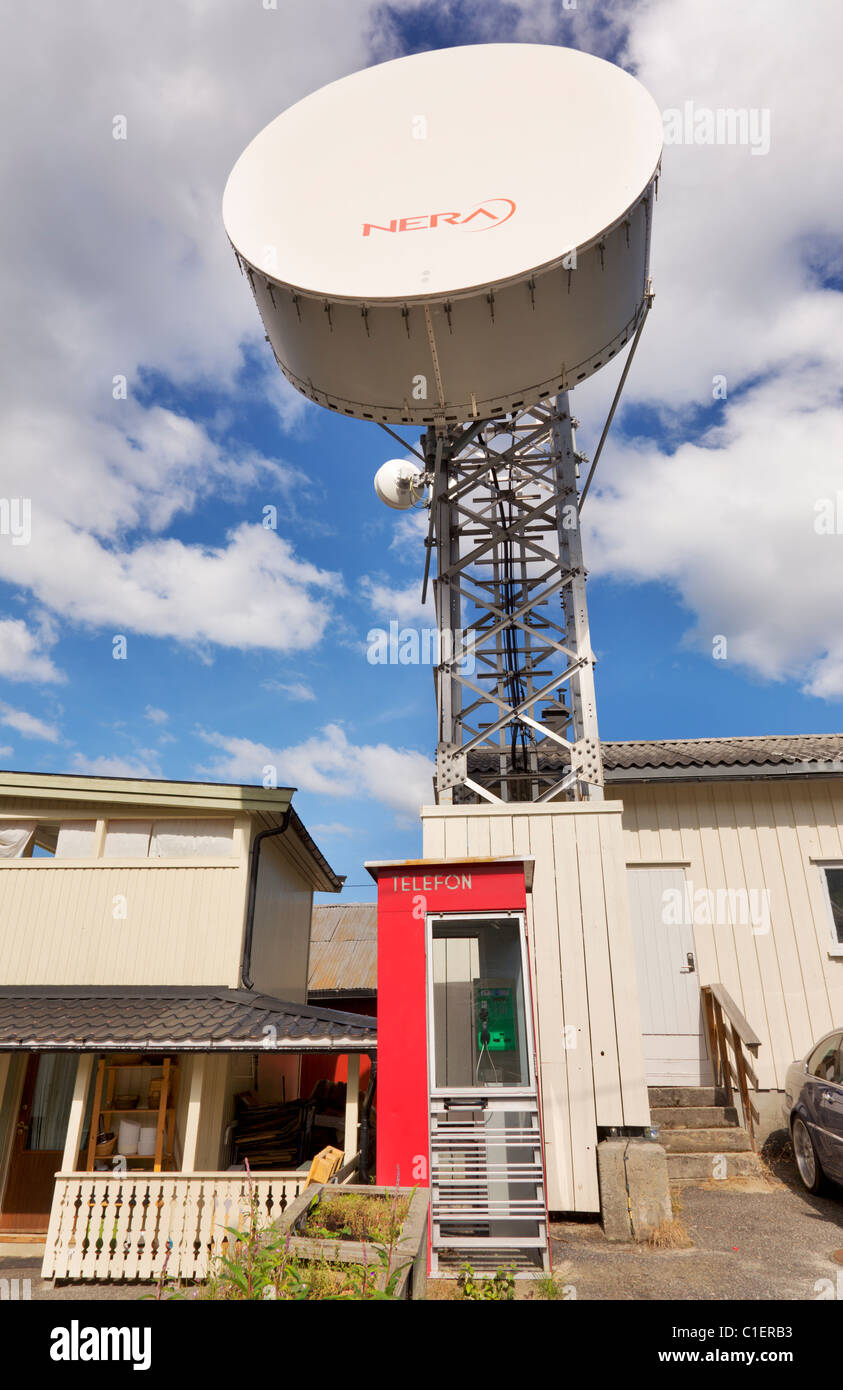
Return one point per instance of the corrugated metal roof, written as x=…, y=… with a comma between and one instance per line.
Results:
x=343, y=949
x=161, y=1018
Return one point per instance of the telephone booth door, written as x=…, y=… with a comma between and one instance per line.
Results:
x=486, y=1166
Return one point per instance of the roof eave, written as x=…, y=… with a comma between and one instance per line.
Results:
x=709, y=772
x=216, y=796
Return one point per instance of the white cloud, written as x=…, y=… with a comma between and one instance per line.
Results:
x=294, y=690
x=335, y=828
x=253, y=591
x=114, y=261
x=400, y=604
x=6, y=751
x=155, y=716
x=731, y=522
x=329, y=765
x=737, y=243
x=22, y=655
x=28, y=724
x=409, y=532
x=142, y=765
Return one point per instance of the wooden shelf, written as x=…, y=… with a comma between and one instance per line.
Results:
x=131, y=1110
x=165, y=1110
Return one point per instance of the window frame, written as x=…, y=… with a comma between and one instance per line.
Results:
x=835, y=947
x=525, y=1092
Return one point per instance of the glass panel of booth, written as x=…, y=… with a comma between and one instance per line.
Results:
x=479, y=1035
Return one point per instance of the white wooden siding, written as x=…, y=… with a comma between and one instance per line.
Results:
x=582, y=970
x=61, y=922
x=756, y=836
x=283, y=913
x=183, y=924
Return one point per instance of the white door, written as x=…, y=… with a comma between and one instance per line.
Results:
x=675, y=1051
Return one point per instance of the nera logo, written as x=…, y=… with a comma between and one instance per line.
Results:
x=482, y=218
x=77, y=1343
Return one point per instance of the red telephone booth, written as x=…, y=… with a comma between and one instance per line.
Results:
x=458, y=1103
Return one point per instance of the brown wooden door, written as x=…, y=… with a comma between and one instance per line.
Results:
x=42, y=1120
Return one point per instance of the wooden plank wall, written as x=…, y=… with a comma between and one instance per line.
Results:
x=591, y=1066
x=755, y=836
x=61, y=924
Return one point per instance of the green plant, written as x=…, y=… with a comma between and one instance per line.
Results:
x=357, y=1216
x=501, y=1285
x=260, y=1263
x=547, y=1286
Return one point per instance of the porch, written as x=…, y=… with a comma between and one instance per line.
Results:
x=212, y=1078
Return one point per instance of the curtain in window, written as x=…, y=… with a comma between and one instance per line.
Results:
x=76, y=840
x=191, y=839
x=127, y=839
x=14, y=838
x=51, y=1100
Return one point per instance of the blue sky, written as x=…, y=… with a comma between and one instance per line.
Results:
x=245, y=645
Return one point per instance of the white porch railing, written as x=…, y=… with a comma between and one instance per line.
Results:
x=121, y=1225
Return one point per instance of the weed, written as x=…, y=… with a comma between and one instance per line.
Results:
x=501, y=1285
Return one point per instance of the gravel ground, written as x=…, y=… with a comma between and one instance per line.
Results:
x=753, y=1240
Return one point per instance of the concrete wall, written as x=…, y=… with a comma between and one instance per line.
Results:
x=591, y=1066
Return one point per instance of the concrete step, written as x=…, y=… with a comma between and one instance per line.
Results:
x=705, y=1141
x=705, y=1167
x=663, y=1096
x=694, y=1116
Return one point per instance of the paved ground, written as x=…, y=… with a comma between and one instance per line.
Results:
x=752, y=1241
x=756, y=1240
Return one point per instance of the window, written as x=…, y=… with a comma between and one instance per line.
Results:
x=196, y=838
x=834, y=886
x=479, y=1017
x=127, y=839
x=75, y=839
x=824, y=1061
x=47, y=839
x=191, y=839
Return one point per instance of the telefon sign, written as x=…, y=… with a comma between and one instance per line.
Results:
x=431, y=883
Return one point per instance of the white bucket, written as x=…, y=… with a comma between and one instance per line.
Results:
x=146, y=1141
x=127, y=1137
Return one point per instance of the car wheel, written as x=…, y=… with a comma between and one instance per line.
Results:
x=806, y=1157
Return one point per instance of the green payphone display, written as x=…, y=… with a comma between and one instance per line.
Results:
x=495, y=1015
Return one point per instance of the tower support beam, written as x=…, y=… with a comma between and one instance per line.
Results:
x=515, y=678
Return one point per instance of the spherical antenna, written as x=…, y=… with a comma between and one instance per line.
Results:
x=399, y=483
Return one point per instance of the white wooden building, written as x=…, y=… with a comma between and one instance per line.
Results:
x=744, y=836
x=154, y=945
x=685, y=931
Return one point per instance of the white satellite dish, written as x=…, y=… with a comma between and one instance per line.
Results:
x=453, y=235
x=400, y=483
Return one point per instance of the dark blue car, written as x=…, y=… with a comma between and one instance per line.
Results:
x=813, y=1108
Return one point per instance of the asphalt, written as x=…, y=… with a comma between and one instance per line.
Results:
x=751, y=1240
